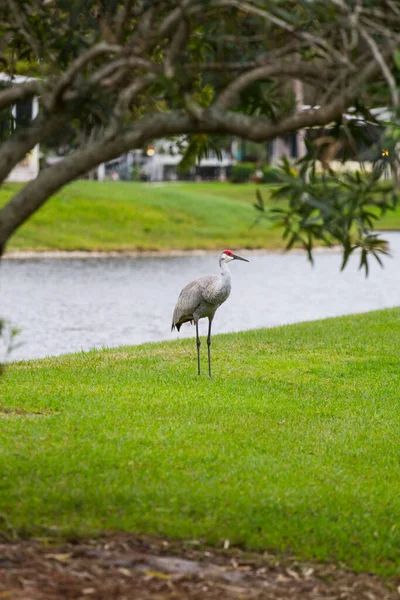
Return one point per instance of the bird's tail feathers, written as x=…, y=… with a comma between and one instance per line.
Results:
x=176, y=326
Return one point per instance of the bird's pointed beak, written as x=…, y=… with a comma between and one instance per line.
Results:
x=236, y=257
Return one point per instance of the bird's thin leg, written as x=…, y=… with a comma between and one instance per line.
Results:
x=208, y=346
x=198, y=347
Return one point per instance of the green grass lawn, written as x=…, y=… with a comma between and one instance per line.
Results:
x=292, y=446
x=89, y=215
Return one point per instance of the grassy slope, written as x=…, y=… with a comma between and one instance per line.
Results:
x=293, y=445
x=126, y=216
x=122, y=216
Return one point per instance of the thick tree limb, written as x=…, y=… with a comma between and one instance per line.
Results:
x=21, y=142
x=18, y=92
x=261, y=129
x=35, y=193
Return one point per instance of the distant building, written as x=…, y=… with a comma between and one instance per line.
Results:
x=157, y=164
x=161, y=166
x=160, y=162
x=21, y=113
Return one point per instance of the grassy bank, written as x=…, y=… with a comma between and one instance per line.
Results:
x=293, y=445
x=90, y=215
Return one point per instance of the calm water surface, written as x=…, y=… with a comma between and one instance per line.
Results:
x=67, y=305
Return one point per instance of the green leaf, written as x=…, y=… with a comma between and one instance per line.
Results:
x=396, y=58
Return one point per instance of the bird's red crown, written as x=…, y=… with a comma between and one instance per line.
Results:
x=228, y=252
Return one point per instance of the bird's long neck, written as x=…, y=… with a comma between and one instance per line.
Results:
x=225, y=272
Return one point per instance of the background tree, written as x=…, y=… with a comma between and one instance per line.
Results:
x=127, y=72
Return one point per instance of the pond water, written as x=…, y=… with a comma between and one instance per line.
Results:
x=67, y=305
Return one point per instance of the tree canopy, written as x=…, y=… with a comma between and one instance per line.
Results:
x=127, y=72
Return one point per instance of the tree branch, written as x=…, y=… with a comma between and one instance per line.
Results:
x=21, y=142
x=313, y=40
x=77, y=65
x=393, y=6
x=122, y=17
x=29, y=199
x=18, y=92
x=23, y=26
x=221, y=67
x=378, y=56
x=171, y=21
x=260, y=129
x=121, y=64
x=175, y=47
x=128, y=94
x=230, y=94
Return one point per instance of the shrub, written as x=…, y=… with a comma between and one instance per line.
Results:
x=271, y=175
x=241, y=172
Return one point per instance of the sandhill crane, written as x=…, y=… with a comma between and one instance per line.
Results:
x=201, y=298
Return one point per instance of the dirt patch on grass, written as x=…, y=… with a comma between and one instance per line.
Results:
x=19, y=412
x=126, y=567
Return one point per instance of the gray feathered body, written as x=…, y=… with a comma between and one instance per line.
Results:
x=201, y=298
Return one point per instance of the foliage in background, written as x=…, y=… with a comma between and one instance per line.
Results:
x=243, y=172
x=331, y=209
x=326, y=203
